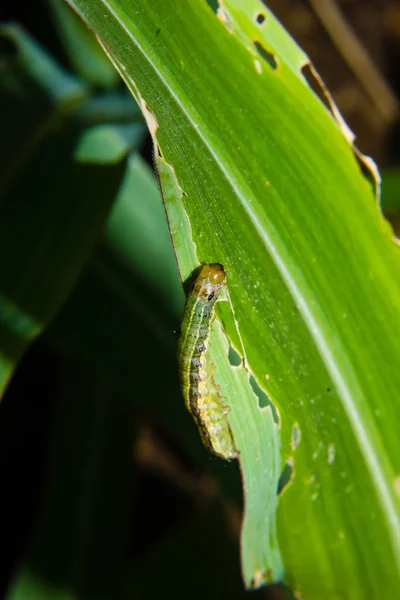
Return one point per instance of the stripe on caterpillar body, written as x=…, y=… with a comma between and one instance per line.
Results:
x=198, y=387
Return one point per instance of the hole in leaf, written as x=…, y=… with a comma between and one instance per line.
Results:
x=286, y=476
x=214, y=5
x=260, y=18
x=316, y=86
x=266, y=55
x=366, y=172
x=157, y=151
x=234, y=358
x=263, y=399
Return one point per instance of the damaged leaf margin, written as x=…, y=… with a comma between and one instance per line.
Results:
x=261, y=558
x=262, y=34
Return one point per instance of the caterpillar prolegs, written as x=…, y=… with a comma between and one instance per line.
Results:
x=201, y=394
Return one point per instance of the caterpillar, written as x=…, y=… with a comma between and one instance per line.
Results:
x=200, y=392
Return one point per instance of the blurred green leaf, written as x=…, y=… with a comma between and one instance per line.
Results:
x=109, y=107
x=87, y=58
x=53, y=202
x=107, y=144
